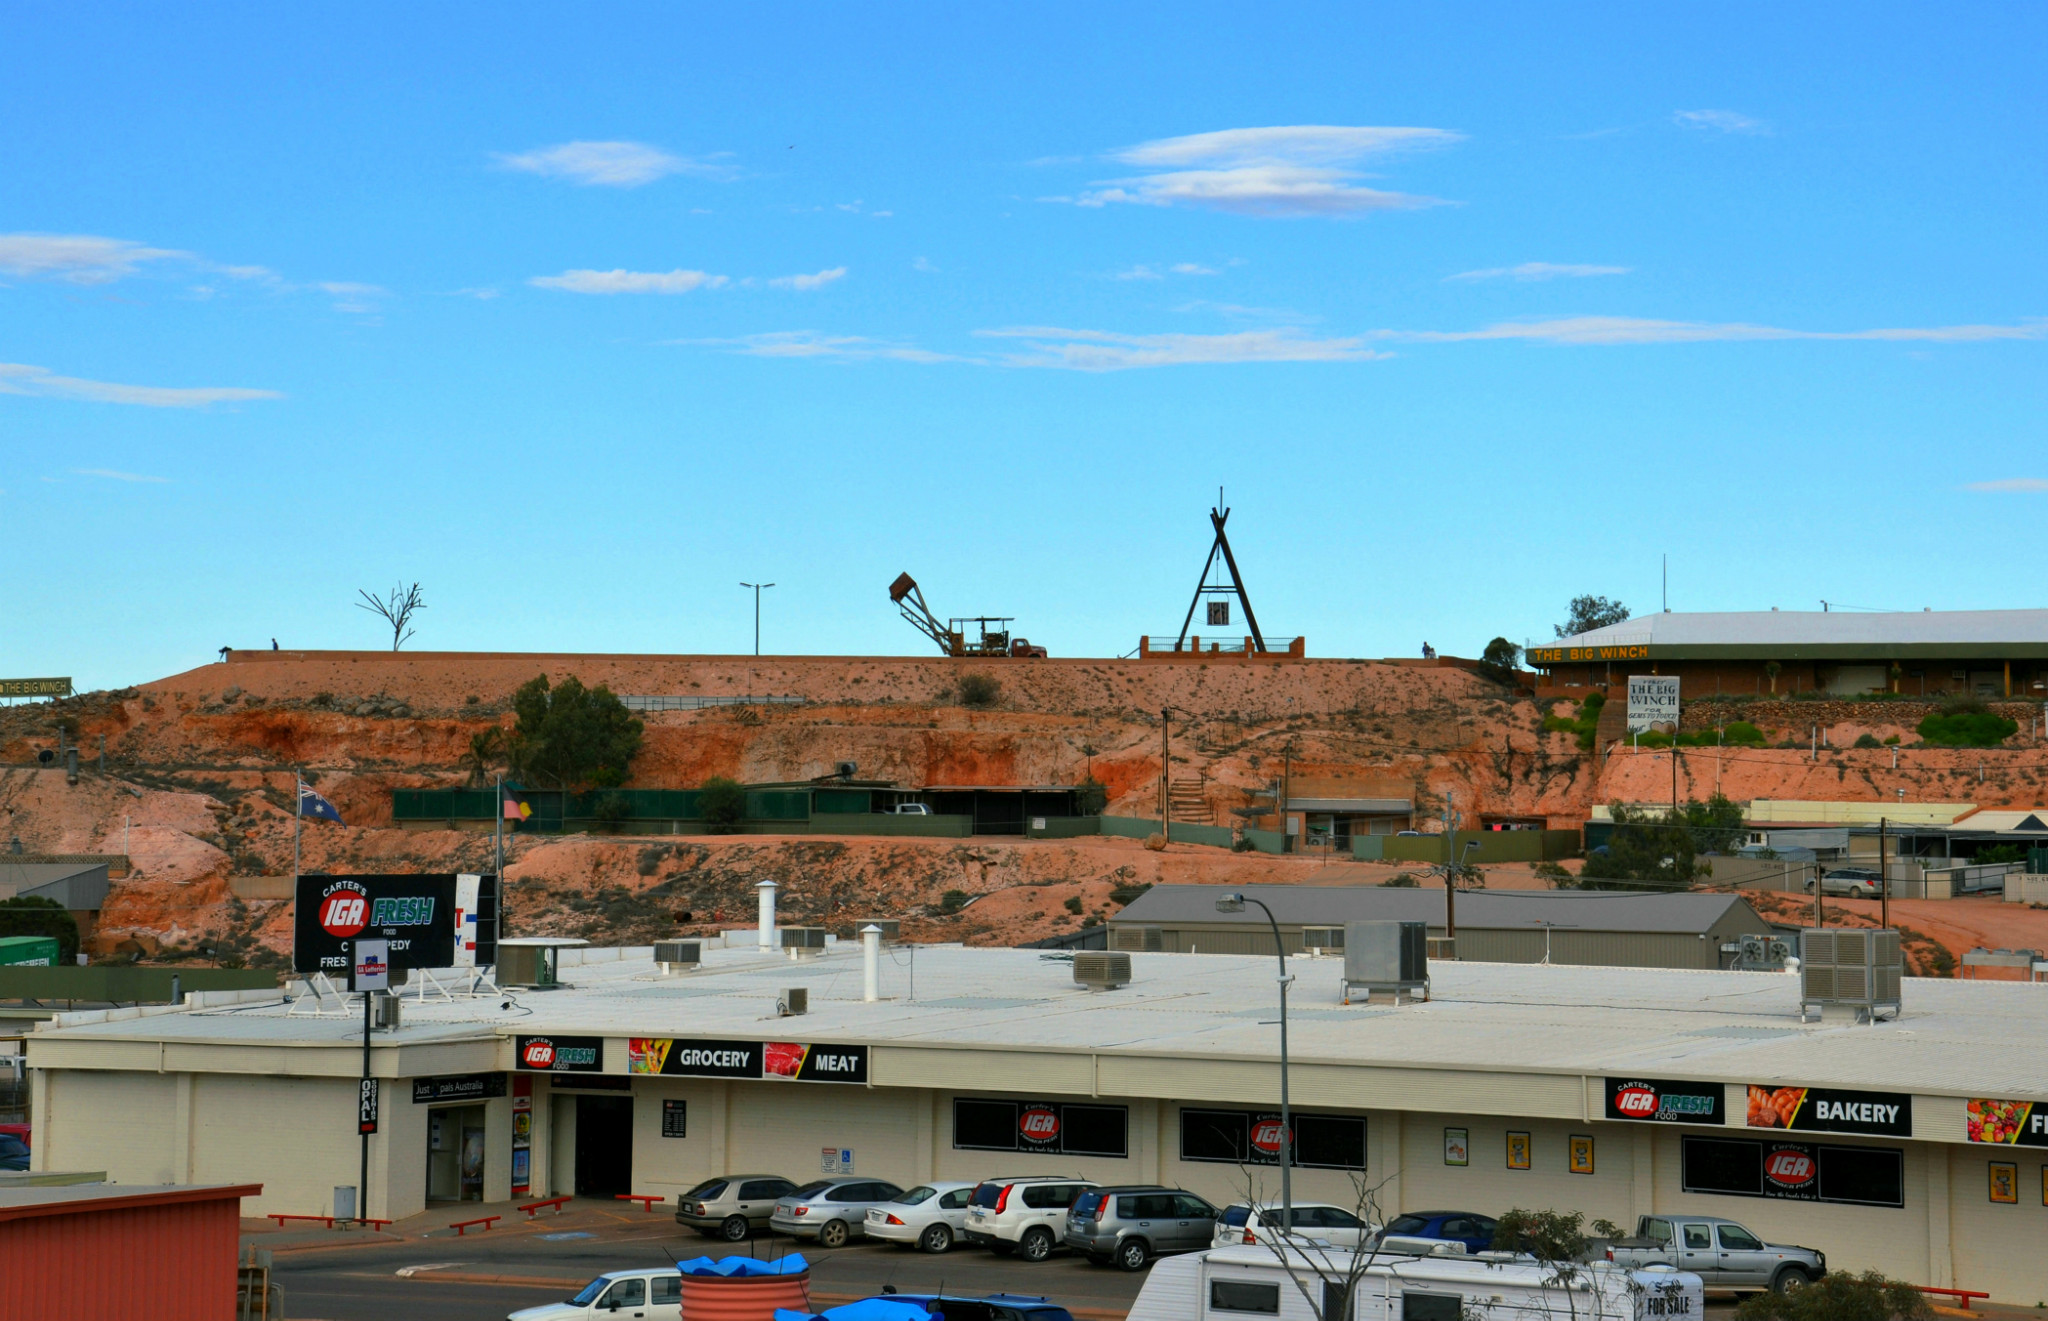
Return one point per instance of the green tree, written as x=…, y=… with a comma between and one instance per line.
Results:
x=1967, y=725
x=1500, y=660
x=1840, y=1297
x=485, y=750
x=33, y=915
x=1661, y=849
x=1590, y=612
x=1094, y=796
x=723, y=803
x=572, y=735
x=1716, y=824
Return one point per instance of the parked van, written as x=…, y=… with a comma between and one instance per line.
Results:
x=1236, y=1284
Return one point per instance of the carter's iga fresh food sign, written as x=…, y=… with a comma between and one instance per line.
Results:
x=558, y=1054
x=1038, y=1124
x=1828, y=1110
x=1791, y=1170
x=1267, y=1136
x=1661, y=1101
x=789, y=1060
x=413, y=913
x=2014, y=1123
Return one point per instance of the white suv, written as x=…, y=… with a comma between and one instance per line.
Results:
x=1027, y=1216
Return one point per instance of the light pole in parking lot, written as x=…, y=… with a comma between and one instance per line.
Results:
x=1234, y=902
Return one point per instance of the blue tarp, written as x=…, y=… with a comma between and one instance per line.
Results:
x=793, y=1264
x=867, y=1309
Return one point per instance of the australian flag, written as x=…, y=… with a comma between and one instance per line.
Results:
x=313, y=805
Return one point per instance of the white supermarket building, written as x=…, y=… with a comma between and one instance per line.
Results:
x=1917, y=1147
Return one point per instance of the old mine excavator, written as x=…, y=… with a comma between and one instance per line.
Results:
x=992, y=636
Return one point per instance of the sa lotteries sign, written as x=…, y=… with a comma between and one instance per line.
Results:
x=1658, y=1100
x=416, y=915
x=558, y=1054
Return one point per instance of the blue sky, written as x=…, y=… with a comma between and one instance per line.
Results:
x=580, y=319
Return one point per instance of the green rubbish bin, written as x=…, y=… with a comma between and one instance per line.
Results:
x=28, y=951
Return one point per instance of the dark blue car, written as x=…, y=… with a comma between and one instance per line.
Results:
x=988, y=1307
x=1473, y=1230
x=13, y=1152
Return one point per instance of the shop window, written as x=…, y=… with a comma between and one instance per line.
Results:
x=1217, y=1135
x=1857, y=1176
x=1093, y=1130
x=1330, y=1142
x=1071, y=1130
x=985, y=1125
x=1714, y=1165
x=1871, y=1176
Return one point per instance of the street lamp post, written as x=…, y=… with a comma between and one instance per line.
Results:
x=1234, y=902
x=757, y=612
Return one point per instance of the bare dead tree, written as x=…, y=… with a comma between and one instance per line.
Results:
x=1337, y=1270
x=396, y=610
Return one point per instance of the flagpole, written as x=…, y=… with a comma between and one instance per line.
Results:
x=298, y=815
x=498, y=909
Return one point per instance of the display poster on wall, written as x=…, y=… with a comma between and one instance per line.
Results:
x=789, y=1061
x=1518, y=1151
x=675, y=1118
x=1652, y=703
x=2011, y=1123
x=1830, y=1110
x=559, y=1054
x=458, y=1087
x=522, y=1132
x=1457, y=1146
x=2005, y=1181
x=1581, y=1153
x=1658, y=1100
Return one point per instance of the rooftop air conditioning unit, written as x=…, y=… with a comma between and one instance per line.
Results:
x=529, y=966
x=793, y=1001
x=803, y=942
x=892, y=928
x=1846, y=968
x=1139, y=940
x=1322, y=940
x=1102, y=970
x=1386, y=956
x=674, y=956
x=384, y=1011
x=1754, y=953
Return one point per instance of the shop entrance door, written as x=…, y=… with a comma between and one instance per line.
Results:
x=604, y=1145
x=455, y=1154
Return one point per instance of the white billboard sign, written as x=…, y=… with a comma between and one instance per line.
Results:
x=1652, y=703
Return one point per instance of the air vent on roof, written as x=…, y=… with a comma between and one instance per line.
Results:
x=803, y=942
x=674, y=956
x=1850, y=970
x=1139, y=940
x=1322, y=940
x=1102, y=970
x=793, y=1001
x=1391, y=957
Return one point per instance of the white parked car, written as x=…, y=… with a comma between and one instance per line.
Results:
x=655, y=1295
x=1027, y=1216
x=931, y=1215
x=1334, y=1225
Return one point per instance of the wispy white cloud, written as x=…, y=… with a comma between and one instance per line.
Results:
x=1640, y=330
x=352, y=297
x=482, y=293
x=1145, y=272
x=114, y=476
x=628, y=282
x=1108, y=351
x=1724, y=121
x=1139, y=272
x=22, y=379
x=809, y=282
x=814, y=344
x=1538, y=270
x=77, y=258
x=924, y=264
x=610, y=164
x=1193, y=268
x=1287, y=170
x=2027, y=484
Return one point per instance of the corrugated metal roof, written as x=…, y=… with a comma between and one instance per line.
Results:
x=1956, y=1038
x=1819, y=628
x=1333, y=905
x=1389, y=805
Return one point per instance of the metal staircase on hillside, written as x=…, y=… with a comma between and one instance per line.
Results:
x=1187, y=800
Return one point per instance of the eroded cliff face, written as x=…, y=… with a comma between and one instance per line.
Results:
x=199, y=766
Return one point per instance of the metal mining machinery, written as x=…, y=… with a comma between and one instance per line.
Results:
x=991, y=635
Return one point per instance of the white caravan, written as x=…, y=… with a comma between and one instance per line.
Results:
x=1243, y=1283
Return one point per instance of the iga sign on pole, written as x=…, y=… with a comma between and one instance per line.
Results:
x=1652, y=703
x=414, y=915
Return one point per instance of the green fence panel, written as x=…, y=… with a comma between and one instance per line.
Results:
x=1494, y=846
x=125, y=982
x=1183, y=832
x=1064, y=827
x=1265, y=841
x=1129, y=827
x=841, y=802
x=778, y=805
x=440, y=804
x=1368, y=848
x=877, y=823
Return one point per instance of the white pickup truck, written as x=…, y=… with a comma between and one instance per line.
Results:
x=1722, y=1253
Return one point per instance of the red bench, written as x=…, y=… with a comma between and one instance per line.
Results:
x=462, y=1227
x=1962, y=1296
x=533, y=1209
x=646, y=1200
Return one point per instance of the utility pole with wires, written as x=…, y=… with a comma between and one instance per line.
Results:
x=758, y=589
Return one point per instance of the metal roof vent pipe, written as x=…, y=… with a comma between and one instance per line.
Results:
x=765, y=891
x=1102, y=970
x=871, y=962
